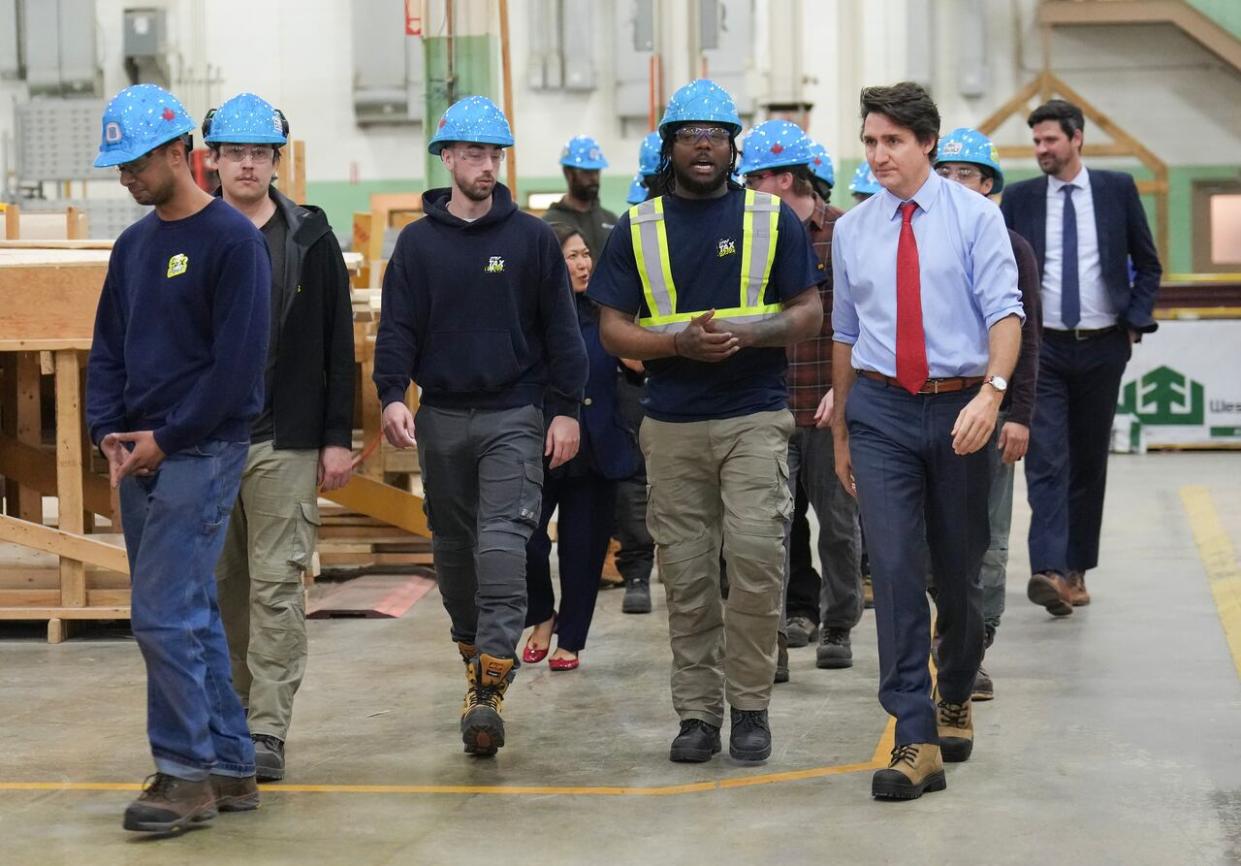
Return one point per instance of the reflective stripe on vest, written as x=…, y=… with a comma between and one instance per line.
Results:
x=759, y=233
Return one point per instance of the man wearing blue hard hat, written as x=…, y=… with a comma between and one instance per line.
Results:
x=477, y=311
x=581, y=160
x=969, y=158
x=782, y=160
x=175, y=381
x=302, y=440
x=863, y=185
x=707, y=284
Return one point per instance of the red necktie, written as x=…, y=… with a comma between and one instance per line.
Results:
x=911, y=368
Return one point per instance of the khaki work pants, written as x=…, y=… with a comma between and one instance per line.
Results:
x=270, y=541
x=720, y=484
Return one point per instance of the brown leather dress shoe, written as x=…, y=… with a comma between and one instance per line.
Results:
x=1051, y=590
x=915, y=768
x=1078, y=597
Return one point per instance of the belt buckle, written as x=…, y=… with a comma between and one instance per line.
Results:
x=1077, y=335
x=934, y=383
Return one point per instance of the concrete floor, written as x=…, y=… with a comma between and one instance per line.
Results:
x=1113, y=738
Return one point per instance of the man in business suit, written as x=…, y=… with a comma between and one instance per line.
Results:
x=1085, y=227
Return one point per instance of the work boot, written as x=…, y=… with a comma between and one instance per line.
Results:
x=168, y=803
x=956, y=729
x=984, y=689
x=801, y=632
x=782, y=659
x=268, y=757
x=750, y=737
x=235, y=794
x=835, y=649
x=637, y=596
x=1078, y=597
x=915, y=768
x=1051, y=590
x=482, y=729
x=696, y=743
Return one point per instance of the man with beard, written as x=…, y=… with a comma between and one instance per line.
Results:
x=300, y=443
x=581, y=159
x=477, y=311
x=175, y=380
x=1086, y=226
x=708, y=284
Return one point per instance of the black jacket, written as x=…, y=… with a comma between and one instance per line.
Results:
x=480, y=314
x=1122, y=230
x=312, y=398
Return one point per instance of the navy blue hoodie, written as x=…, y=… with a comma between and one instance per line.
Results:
x=480, y=313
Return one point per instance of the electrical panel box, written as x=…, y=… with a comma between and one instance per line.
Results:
x=9, y=66
x=58, y=37
x=58, y=139
x=387, y=66
x=146, y=32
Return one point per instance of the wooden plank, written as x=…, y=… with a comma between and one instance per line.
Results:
x=77, y=224
x=49, y=302
x=69, y=471
x=53, y=612
x=53, y=244
x=61, y=543
x=383, y=502
x=377, y=596
x=29, y=427
x=12, y=221
x=37, y=469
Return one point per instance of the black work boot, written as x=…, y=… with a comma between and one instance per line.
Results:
x=782, y=660
x=637, y=596
x=168, y=804
x=835, y=649
x=235, y=794
x=696, y=743
x=750, y=737
x=801, y=631
x=482, y=729
x=268, y=757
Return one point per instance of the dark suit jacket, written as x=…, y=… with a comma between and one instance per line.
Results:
x=1123, y=234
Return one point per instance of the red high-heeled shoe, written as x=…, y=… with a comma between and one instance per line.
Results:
x=561, y=664
x=532, y=656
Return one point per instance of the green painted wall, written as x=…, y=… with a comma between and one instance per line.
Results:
x=476, y=61
x=1225, y=13
x=340, y=198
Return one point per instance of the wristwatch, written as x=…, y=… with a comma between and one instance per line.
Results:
x=999, y=383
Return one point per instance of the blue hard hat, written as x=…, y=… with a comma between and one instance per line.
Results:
x=138, y=120
x=637, y=191
x=650, y=155
x=775, y=144
x=864, y=182
x=582, y=151
x=821, y=164
x=475, y=119
x=969, y=145
x=245, y=119
x=701, y=101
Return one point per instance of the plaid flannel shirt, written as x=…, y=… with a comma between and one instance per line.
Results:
x=810, y=362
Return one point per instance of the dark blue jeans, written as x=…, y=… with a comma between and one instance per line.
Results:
x=911, y=487
x=174, y=523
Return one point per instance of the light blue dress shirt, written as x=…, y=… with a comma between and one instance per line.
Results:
x=1097, y=310
x=967, y=272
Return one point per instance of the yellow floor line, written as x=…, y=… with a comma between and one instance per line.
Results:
x=1220, y=561
x=879, y=759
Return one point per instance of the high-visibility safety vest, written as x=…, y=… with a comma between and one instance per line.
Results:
x=759, y=233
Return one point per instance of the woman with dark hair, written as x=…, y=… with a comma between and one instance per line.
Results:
x=585, y=490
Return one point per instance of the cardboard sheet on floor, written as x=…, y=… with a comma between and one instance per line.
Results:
x=376, y=596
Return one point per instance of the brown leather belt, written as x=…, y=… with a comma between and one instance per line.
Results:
x=932, y=386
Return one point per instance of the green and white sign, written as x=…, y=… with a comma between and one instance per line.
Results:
x=1183, y=384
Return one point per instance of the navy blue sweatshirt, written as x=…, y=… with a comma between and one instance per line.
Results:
x=181, y=331
x=480, y=313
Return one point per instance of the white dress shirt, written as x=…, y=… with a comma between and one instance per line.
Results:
x=1096, y=309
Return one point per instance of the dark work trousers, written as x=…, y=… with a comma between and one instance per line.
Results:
x=587, y=505
x=804, y=581
x=482, y=473
x=1066, y=467
x=636, y=556
x=911, y=486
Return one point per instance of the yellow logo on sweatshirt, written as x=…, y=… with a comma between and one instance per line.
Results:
x=178, y=264
x=495, y=265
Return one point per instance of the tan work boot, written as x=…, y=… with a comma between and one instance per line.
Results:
x=233, y=794
x=956, y=729
x=916, y=768
x=1076, y=580
x=482, y=729
x=1051, y=590
x=168, y=803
